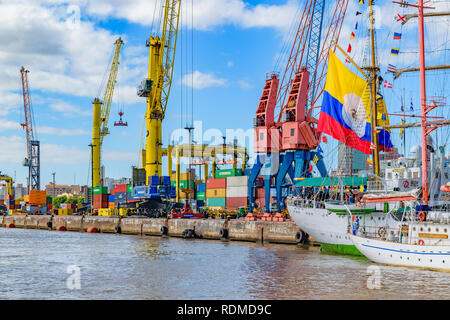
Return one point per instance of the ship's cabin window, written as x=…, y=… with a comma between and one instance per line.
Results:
x=445, y=230
x=429, y=229
x=421, y=229
x=437, y=229
x=261, y=136
x=389, y=175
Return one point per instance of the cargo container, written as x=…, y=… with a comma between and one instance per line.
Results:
x=111, y=198
x=183, y=176
x=235, y=203
x=241, y=181
x=183, y=184
x=216, y=202
x=37, y=197
x=65, y=212
x=237, y=192
x=100, y=190
x=166, y=180
x=228, y=173
x=120, y=188
x=154, y=180
x=200, y=196
x=216, y=183
x=201, y=187
x=105, y=212
x=129, y=188
x=216, y=193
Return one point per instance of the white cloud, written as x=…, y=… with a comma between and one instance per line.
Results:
x=230, y=64
x=199, y=80
x=61, y=131
x=207, y=13
x=245, y=84
x=68, y=110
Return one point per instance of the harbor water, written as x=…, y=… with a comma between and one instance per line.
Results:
x=38, y=264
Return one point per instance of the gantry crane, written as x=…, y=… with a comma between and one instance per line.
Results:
x=9, y=184
x=101, y=116
x=32, y=161
x=292, y=137
x=156, y=88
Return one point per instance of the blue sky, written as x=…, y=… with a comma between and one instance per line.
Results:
x=236, y=43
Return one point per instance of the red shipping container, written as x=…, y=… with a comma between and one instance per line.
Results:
x=49, y=206
x=234, y=203
x=216, y=183
x=260, y=193
x=119, y=188
x=113, y=192
x=9, y=197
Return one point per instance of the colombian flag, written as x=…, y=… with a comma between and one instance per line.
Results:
x=345, y=113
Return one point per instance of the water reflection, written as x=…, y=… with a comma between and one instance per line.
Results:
x=33, y=265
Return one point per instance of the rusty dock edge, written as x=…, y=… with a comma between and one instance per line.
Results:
x=214, y=229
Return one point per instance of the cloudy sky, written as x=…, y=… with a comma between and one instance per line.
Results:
x=225, y=49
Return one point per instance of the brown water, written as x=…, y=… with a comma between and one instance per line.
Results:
x=34, y=265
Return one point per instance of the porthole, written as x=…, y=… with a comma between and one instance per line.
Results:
x=443, y=261
x=429, y=229
x=437, y=229
x=414, y=228
x=445, y=230
x=421, y=229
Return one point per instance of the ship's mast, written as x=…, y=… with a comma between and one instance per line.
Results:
x=423, y=102
x=373, y=94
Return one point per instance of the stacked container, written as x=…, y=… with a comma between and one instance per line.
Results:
x=37, y=197
x=111, y=202
x=201, y=192
x=100, y=197
x=122, y=194
x=225, y=173
x=237, y=192
x=216, y=193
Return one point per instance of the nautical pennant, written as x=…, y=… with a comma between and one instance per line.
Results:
x=391, y=68
x=361, y=1
x=395, y=51
x=400, y=18
x=412, y=106
x=352, y=36
x=315, y=159
x=358, y=13
x=402, y=107
x=379, y=96
x=356, y=26
x=403, y=4
x=319, y=149
x=397, y=36
x=401, y=129
x=349, y=50
x=381, y=116
x=387, y=84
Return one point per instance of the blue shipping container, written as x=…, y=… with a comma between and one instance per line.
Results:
x=201, y=187
x=154, y=180
x=153, y=189
x=111, y=198
x=166, y=180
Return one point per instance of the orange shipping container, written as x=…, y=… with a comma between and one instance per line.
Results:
x=38, y=197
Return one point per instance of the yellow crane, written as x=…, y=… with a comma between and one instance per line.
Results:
x=9, y=184
x=156, y=88
x=101, y=116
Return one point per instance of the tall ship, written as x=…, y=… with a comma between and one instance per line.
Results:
x=423, y=239
x=328, y=208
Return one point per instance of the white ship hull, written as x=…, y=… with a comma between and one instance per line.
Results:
x=331, y=229
x=435, y=257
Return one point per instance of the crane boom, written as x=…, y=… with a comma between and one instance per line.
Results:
x=156, y=88
x=101, y=116
x=32, y=161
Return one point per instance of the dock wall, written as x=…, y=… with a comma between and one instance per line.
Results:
x=216, y=229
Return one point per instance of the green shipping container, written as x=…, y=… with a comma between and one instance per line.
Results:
x=216, y=202
x=201, y=196
x=183, y=184
x=129, y=188
x=101, y=190
x=228, y=173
